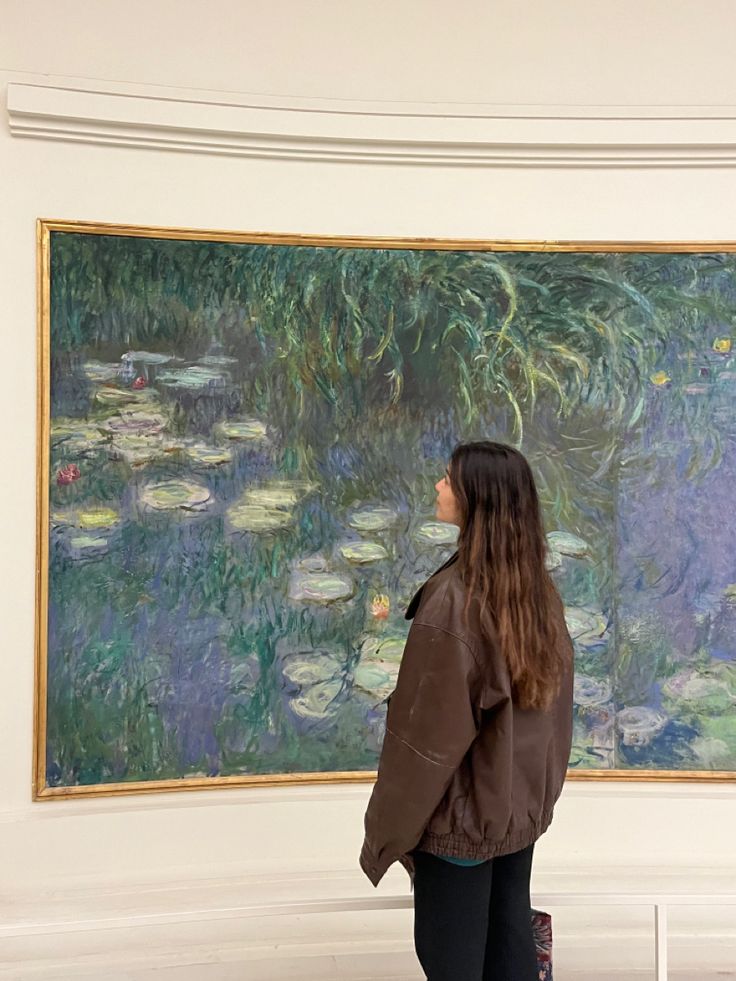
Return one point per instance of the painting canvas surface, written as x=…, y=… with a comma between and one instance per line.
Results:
x=243, y=441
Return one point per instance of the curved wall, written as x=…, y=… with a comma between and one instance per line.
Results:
x=591, y=122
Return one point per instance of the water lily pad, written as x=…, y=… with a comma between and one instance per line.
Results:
x=317, y=705
x=207, y=456
x=268, y=507
x=197, y=379
x=385, y=649
x=567, y=544
x=373, y=519
x=138, y=450
x=98, y=371
x=319, y=587
x=704, y=694
x=437, y=533
x=312, y=563
x=586, y=627
x=76, y=437
x=308, y=668
x=131, y=423
x=97, y=518
x=116, y=396
x=148, y=357
x=377, y=676
x=64, y=426
x=62, y=519
x=88, y=519
x=171, y=495
x=256, y=518
x=361, y=553
x=639, y=724
x=283, y=494
x=552, y=561
x=243, y=429
x=589, y=691
x=272, y=496
x=86, y=546
x=374, y=679
x=217, y=359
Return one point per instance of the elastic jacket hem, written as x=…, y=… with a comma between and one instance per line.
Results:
x=460, y=846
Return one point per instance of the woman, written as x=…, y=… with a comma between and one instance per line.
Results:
x=479, y=727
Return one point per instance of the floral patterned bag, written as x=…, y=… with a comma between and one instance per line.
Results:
x=542, y=923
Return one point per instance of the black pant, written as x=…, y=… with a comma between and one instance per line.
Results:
x=474, y=923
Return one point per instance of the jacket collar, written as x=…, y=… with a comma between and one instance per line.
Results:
x=416, y=598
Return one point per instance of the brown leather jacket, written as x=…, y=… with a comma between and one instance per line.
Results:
x=464, y=772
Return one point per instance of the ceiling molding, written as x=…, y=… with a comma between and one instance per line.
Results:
x=320, y=130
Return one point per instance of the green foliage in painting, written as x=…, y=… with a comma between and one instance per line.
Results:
x=244, y=443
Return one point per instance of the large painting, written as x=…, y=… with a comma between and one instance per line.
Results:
x=239, y=438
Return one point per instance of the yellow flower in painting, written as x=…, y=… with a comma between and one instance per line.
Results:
x=660, y=378
x=722, y=345
x=380, y=605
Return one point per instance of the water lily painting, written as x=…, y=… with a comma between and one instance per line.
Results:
x=239, y=438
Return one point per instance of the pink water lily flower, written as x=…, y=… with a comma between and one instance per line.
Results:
x=68, y=474
x=139, y=383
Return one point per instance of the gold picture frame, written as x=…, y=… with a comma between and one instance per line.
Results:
x=40, y=789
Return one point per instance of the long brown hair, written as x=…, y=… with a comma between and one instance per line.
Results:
x=501, y=558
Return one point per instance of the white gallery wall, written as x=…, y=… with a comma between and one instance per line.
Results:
x=527, y=121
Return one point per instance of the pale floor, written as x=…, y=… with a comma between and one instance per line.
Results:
x=354, y=946
x=395, y=966
x=187, y=933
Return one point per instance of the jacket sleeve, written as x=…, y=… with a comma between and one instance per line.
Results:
x=431, y=723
